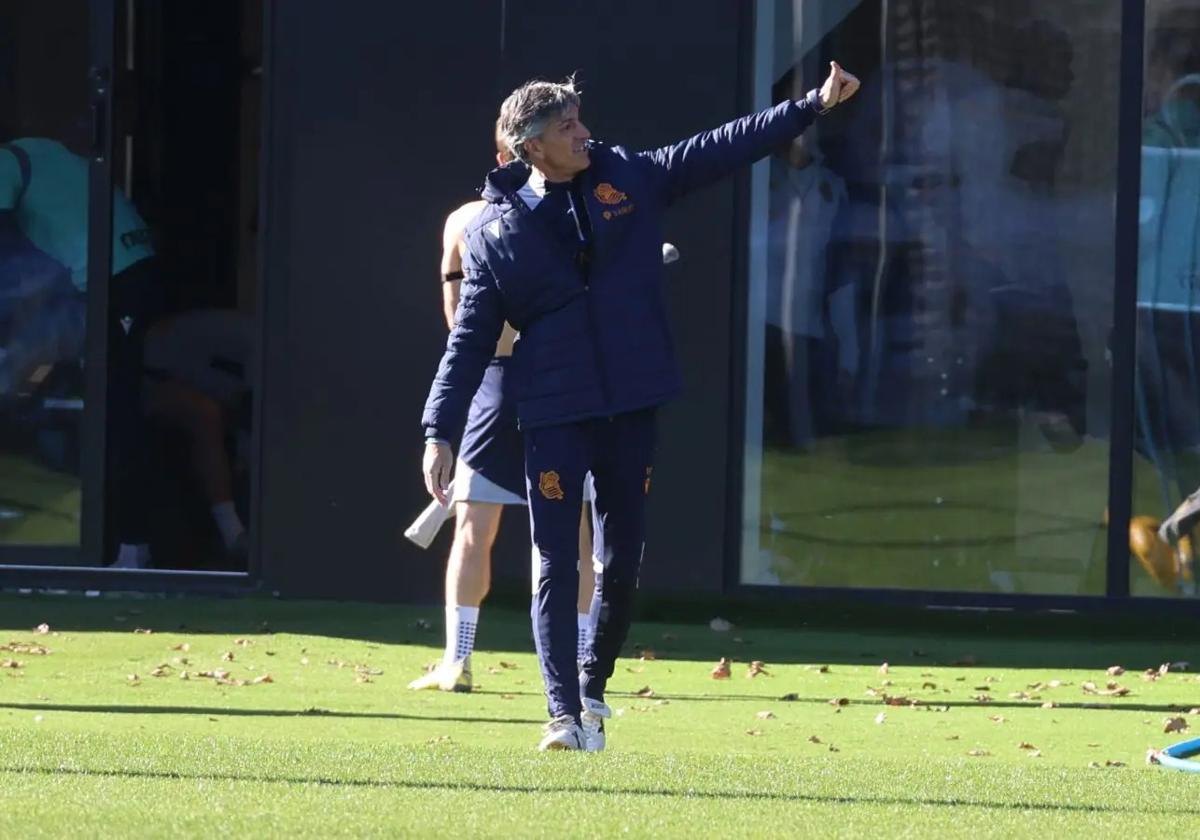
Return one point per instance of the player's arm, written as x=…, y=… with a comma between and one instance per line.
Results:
x=451, y=265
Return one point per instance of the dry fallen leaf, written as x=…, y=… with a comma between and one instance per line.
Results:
x=928, y=685
x=227, y=656
x=813, y=739
x=26, y=648
x=184, y=647
x=790, y=697
x=1151, y=675
x=951, y=737
x=880, y=718
x=243, y=642
x=508, y=666
x=721, y=671
x=822, y=669
x=132, y=677
x=1112, y=690
x=1194, y=711
x=265, y=678
x=1035, y=754
x=216, y=674
x=362, y=678
x=756, y=668
x=11, y=663
x=441, y=739
x=966, y=660
x=184, y=675
x=998, y=719
x=720, y=625
x=648, y=655
x=1175, y=724
x=163, y=670
x=1048, y=705
x=1025, y=745
x=645, y=692
x=754, y=732
x=982, y=698
x=840, y=701
x=883, y=669
x=1115, y=671
x=42, y=629
x=145, y=631
x=1114, y=763
x=765, y=716
x=978, y=753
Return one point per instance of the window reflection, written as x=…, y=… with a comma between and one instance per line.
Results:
x=1167, y=395
x=933, y=408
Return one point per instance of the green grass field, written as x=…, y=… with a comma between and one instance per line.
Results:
x=333, y=744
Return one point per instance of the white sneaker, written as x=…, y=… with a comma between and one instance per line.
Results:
x=595, y=712
x=447, y=676
x=562, y=733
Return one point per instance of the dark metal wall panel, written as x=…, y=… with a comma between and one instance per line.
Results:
x=381, y=123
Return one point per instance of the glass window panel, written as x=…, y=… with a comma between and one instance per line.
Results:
x=931, y=299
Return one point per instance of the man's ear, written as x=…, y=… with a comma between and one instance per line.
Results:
x=533, y=148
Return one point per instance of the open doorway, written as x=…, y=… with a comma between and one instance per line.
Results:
x=181, y=322
x=186, y=136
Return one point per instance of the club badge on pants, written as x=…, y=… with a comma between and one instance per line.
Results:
x=549, y=484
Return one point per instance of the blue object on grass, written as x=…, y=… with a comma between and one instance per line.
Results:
x=1178, y=756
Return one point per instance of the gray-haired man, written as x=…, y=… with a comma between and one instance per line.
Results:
x=569, y=251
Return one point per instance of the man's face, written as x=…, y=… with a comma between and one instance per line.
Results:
x=561, y=150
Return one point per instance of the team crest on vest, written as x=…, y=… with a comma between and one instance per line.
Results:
x=550, y=486
x=606, y=193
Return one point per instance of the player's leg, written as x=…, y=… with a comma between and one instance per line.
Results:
x=468, y=579
x=587, y=584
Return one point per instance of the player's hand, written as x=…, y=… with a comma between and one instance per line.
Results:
x=435, y=466
x=838, y=87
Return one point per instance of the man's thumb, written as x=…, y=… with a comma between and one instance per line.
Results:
x=835, y=67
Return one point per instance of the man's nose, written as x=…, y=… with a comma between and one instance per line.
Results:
x=584, y=134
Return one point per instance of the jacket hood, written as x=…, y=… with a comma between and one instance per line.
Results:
x=503, y=181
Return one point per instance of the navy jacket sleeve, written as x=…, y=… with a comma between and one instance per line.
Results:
x=478, y=323
x=711, y=155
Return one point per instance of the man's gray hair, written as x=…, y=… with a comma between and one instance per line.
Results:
x=530, y=108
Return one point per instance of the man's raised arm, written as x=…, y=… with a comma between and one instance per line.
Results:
x=711, y=155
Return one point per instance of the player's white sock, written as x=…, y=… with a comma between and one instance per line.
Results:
x=583, y=636
x=460, y=632
x=228, y=522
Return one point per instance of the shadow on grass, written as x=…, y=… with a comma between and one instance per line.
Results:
x=666, y=793
x=223, y=712
x=923, y=704
x=777, y=633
